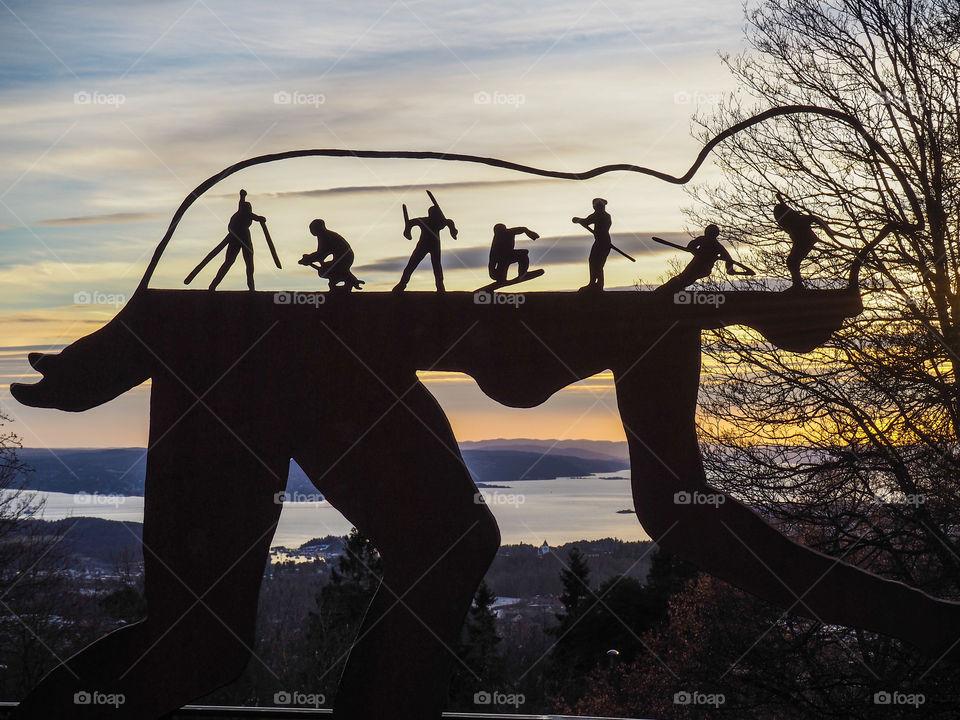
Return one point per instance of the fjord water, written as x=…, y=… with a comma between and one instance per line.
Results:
x=559, y=511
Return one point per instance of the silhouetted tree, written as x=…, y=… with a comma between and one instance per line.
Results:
x=793, y=671
x=568, y=661
x=668, y=575
x=341, y=604
x=480, y=639
x=611, y=626
x=575, y=578
x=40, y=613
x=125, y=599
x=851, y=448
x=480, y=665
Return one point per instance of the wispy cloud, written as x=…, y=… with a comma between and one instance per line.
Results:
x=557, y=250
x=110, y=219
x=393, y=189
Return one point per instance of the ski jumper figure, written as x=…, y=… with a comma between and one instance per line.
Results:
x=238, y=240
x=706, y=251
x=600, y=221
x=334, y=246
x=799, y=226
x=503, y=252
x=428, y=244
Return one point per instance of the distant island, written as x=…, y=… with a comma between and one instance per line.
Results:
x=121, y=471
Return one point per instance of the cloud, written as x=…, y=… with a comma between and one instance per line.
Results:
x=110, y=219
x=565, y=249
x=172, y=37
x=557, y=250
x=18, y=350
x=350, y=189
x=466, y=258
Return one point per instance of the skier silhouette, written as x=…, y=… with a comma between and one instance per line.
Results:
x=799, y=226
x=706, y=250
x=503, y=252
x=428, y=244
x=237, y=241
x=337, y=270
x=600, y=220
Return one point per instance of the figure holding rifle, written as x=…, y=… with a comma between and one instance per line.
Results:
x=237, y=241
x=598, y=223
x=706, y=251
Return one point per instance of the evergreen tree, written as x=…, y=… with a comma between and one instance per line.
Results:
x=614, y=618
x=341, y=605
x=576, y=595
x=481, y=665
x=668, y=576
x=360, y=563
x=480, y=634
x=568, y=661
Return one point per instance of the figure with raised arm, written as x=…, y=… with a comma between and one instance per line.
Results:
x=428, y=244
x=334, y=246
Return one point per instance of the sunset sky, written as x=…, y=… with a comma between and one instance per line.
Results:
x=111, y=113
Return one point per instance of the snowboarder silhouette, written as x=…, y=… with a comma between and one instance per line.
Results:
x=706, y=250
x=337, y=270
x=799, y=226
x=503, y=252
x=600, y=220
x=428, y=244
